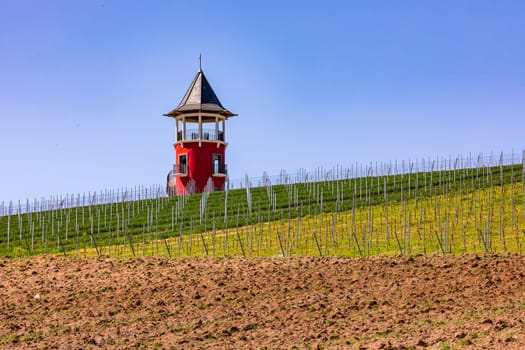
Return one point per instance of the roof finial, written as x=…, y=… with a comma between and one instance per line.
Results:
x=200, y=63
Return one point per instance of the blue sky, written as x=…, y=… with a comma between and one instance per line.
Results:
x=84, y=84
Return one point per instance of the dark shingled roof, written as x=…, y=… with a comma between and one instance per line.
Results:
x=200, y=97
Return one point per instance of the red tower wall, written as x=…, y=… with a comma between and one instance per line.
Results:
x=200, y=164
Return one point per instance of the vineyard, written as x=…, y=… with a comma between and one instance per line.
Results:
x=413, y=255
x=461, y=206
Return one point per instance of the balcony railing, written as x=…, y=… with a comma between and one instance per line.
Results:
x=207, y=135
x=182, y=169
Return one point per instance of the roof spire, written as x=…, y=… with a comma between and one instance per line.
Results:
x=200, y=97
x=200, y=63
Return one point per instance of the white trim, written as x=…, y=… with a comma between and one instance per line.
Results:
x=184, y=128
x=204, y=114
x=216, y=128
x=178, y=165
x=200, y=129
x=200, y=141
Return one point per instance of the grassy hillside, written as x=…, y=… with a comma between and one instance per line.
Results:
x=466, y=210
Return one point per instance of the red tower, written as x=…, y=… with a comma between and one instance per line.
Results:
x=200, y=142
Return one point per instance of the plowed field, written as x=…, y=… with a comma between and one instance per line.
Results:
x=377, y=303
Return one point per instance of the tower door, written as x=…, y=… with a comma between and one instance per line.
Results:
x=216, y=165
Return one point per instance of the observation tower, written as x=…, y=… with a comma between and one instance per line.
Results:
x=200, y=140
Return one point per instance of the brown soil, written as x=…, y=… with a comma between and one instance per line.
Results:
x=376, y=303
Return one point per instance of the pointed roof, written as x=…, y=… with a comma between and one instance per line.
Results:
x=200, y=97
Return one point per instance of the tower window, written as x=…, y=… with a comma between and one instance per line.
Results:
x=217, y=164
x=183, y=164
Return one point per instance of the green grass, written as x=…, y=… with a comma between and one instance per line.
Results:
x=491, y=200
